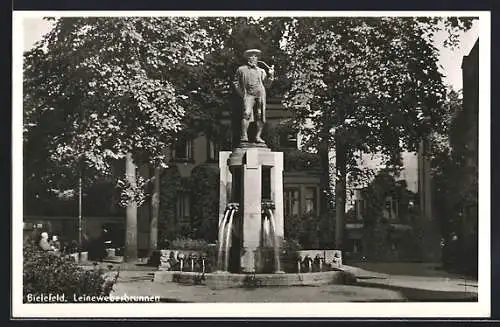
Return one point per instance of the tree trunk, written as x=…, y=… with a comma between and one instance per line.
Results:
x=324, y=153
x=326, y=209
x=130, y=254
x=340, y=191
x=80, y=195
x=155, y=211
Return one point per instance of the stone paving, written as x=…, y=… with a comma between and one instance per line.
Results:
x=189, y=293
x=371, y=287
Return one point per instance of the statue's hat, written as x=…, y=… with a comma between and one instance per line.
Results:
x=250, y=52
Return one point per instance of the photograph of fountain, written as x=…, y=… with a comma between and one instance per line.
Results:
x=250, y=157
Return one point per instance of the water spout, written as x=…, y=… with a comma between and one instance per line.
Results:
x=276, y=244
x=228, y=239
x=222, y=225
x=266, y=241
x=181, y=258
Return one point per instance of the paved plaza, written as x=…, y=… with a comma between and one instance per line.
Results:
x=391, y=282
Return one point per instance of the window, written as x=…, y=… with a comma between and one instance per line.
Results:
x=291, y=198
x=391, y=208
x=212, y=150
x=395, y=208
x=266, y=183
x=388, y=208
x=357, y=246
x=359, y=209
x=310, y=198
x=183, y=150
x=182, y=206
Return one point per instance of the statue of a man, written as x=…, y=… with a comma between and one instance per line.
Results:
x=250, y=82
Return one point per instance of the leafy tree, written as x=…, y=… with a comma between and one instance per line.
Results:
x=378, y=229
x=454, y=168
x=445, y=167
x=98, y=90
x=365, y=85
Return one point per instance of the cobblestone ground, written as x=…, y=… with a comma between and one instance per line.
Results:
x=371, y=287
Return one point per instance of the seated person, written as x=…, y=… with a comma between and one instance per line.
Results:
x=45, y=245
x=44, y=242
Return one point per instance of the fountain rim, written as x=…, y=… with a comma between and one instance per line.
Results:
x=237, y=280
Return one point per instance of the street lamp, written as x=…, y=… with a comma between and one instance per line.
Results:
x=80, y=214
x=80, y=200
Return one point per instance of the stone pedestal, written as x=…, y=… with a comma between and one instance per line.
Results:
x=277, y=192
x=252, y=210
x=244, y=168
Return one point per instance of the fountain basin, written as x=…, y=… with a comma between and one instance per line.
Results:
x=221, y=280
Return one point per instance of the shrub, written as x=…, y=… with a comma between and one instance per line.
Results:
x=293, y=226
x=170, y=186
x=194, y=245
x=71, y=247
x=290, y=245
x=301, y=160
x=288, y=255
x=312, y=231
x=204, y=189
x=45, y=273
x=190, y=244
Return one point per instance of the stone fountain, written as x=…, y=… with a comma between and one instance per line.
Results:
x=251, y=221
x=251, y=208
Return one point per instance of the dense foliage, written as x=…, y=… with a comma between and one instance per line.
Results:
x=367, y=85
x=204, y=192
x=45, y=273
x=310, y=231
x=455, y=188
x=170, y=184
x=380, y=234
x=189, y=244
x=104, y=85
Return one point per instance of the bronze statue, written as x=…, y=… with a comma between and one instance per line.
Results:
x=250, y=82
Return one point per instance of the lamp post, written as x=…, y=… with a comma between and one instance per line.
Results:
x=80, y=214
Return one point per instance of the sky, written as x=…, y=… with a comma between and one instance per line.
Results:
x=450, y=60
